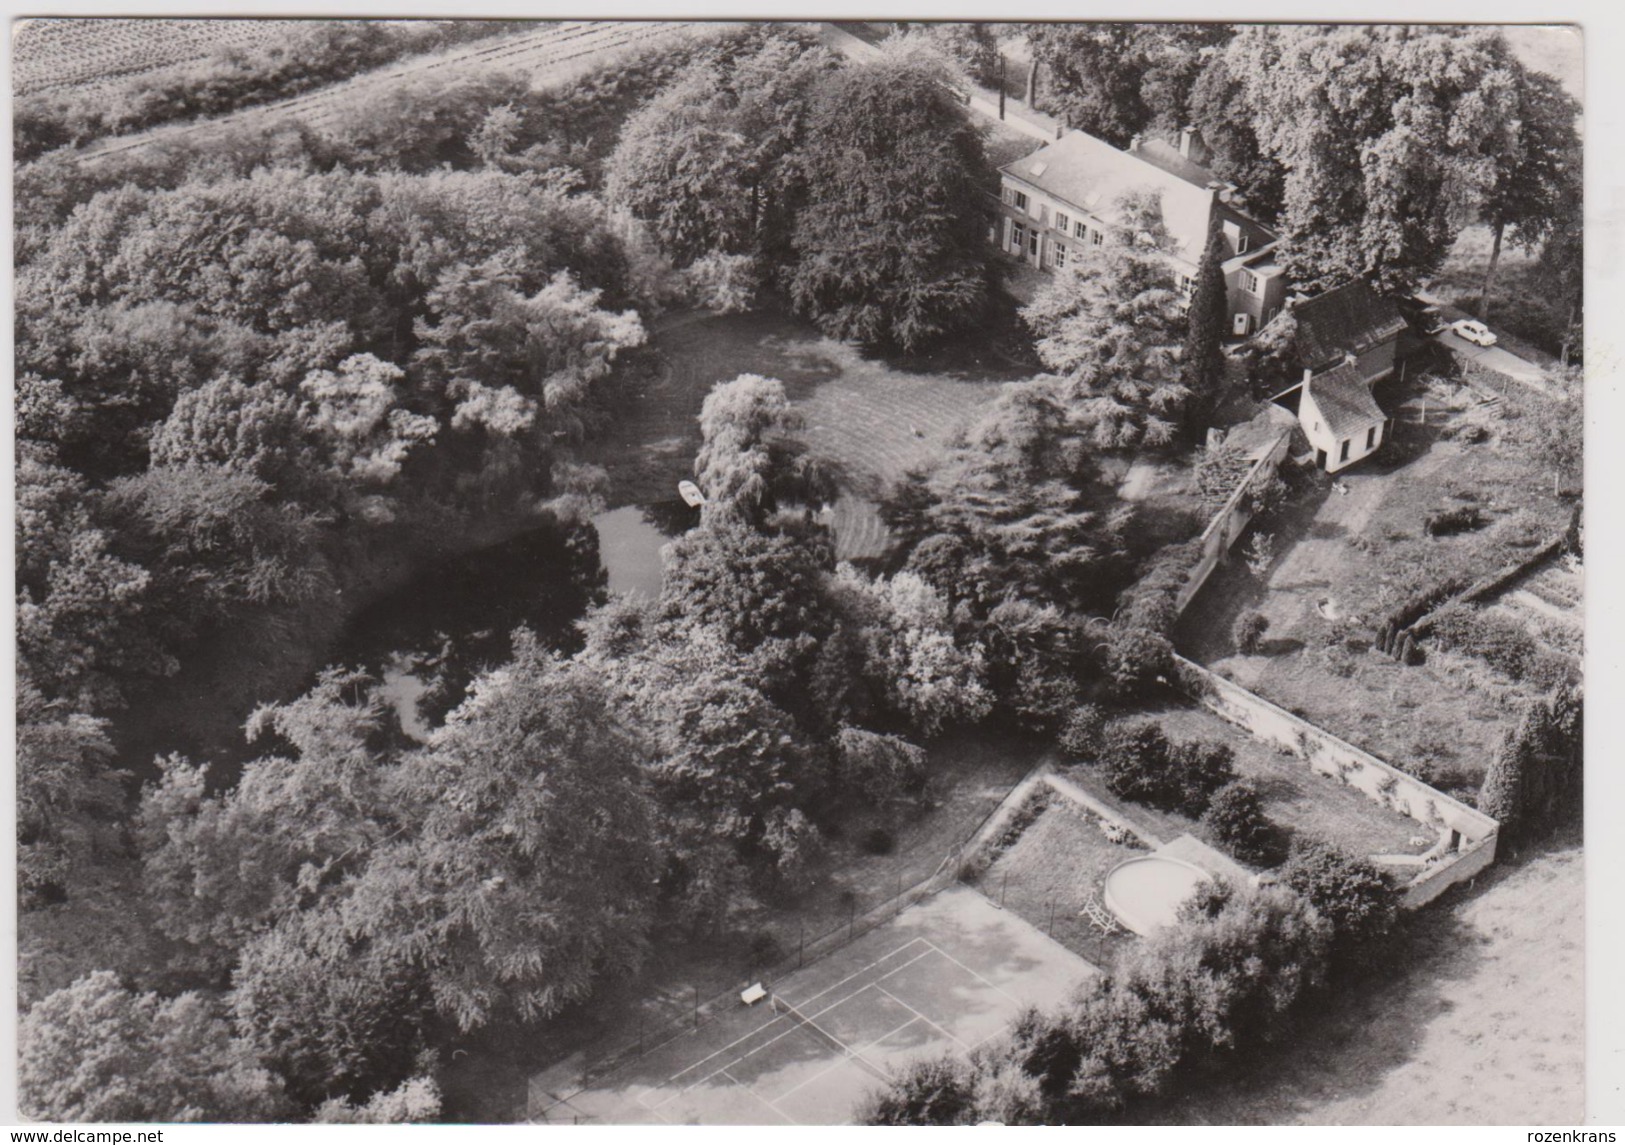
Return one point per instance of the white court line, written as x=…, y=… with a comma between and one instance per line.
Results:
x=678, y=1090
x=802, y=1006
x=846, y=1057
x=679, y=1087
x=1019, y=1003
x=782, y=1116
x=951, y=1037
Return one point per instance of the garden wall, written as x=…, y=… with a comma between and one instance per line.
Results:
x=1472, y=834
x=1440, y=877
x=1229, y=523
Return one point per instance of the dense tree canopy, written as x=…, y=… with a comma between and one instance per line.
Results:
x=1389, y=137
x=1111, y=325
x=96, y=1052
x=705, y=161
x=891, y=238
x=1116, y=81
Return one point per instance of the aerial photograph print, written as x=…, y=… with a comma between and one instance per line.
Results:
x=762, y=572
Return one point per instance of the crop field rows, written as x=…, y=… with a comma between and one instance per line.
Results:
x=49, y=55
x=553, y=45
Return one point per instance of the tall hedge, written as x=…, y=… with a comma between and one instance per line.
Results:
x=1537, y=774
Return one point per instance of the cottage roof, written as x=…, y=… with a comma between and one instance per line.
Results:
x=1348, y=320
x=1344, y=401
x=1091, y=175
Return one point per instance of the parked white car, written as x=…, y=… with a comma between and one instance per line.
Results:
x=1475, y=332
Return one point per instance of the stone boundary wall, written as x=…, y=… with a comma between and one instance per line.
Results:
x=1467, y=836
x=1440, y=877
x=1228, y=524
x=1072, y=793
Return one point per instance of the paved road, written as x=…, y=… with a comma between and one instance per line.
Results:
x=1496, y=358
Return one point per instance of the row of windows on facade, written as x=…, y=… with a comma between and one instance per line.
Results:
x=1023, y=238
x=1063, y=223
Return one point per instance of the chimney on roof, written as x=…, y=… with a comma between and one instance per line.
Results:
x=1307, y=374
x=1227, y=192
x=1134, y=144
x=1186, y=135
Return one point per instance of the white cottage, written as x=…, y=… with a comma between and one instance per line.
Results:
x=1340, y=417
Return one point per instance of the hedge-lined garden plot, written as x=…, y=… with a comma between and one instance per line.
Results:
x=1350, y=558
x=1295, y=799
x=1052, y=870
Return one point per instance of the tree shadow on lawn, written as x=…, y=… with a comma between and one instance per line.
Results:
x=1204, y=631
x=1367, y=1024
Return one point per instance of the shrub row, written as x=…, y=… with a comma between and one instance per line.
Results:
x=1230, y=977
x=1141, y=763
x=1500, y=642
x=1538, y=772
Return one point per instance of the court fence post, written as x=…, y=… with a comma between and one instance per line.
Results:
x=696, y=990
x=1052, y=918
x=801, y=954
x=1003, y=886
x=851, y=916
x=899, y=909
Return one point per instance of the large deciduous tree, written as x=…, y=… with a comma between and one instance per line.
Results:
x=1537, y=181
x=1219, y=109
x=526, y=873
x=704, y=161
x=1390, y=136
x=93, y=1051
x=890, y=240
x=738, y=422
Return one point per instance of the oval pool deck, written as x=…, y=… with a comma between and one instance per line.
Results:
x=1146, y=893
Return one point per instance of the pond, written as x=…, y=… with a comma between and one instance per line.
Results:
x=428, y=640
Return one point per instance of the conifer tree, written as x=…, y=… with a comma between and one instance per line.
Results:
x=1204, y=339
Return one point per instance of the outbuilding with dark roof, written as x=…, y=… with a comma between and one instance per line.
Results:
x=1351, y=322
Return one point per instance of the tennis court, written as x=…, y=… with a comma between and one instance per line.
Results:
x=947, y=974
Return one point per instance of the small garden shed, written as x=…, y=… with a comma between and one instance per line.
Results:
x=1340, y=417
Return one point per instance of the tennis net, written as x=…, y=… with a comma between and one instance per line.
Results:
x=800, y=1020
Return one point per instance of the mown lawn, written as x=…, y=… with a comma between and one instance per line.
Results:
x=873, y=419
x=1349, y=558
x=1057, y=865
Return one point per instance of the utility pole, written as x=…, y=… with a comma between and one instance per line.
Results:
x=1001, y=86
